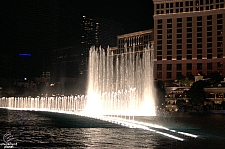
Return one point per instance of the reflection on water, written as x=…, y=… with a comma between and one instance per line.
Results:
x=44, y=130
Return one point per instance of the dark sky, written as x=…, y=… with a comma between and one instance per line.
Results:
x=36, y=21
x=135, y=15
x=36, y=26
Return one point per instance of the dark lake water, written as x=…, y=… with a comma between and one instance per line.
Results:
x=33, y=129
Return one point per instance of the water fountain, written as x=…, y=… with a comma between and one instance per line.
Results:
x=121, y=85
x=118, y=85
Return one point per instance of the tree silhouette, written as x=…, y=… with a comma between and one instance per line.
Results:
x=197, y=94
x=215, y=77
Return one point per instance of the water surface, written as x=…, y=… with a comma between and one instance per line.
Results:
x=33, y=129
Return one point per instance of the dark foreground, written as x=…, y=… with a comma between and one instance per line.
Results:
x=32, y=129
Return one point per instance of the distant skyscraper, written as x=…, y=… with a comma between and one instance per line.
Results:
x=189, y=38
x=79, y=34
x=97, y=32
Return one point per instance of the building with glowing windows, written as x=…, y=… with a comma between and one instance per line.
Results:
x=97, y=32
x=188, y=38
x=138, y=40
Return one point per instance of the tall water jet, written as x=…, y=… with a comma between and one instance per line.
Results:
x=120, y=85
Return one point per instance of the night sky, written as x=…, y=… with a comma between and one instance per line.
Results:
x=36, y=27
x=135, y=15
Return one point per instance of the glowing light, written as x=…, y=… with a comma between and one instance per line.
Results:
x=131, y=90
x=188, y=134
x=25, y=55
x=75, y=104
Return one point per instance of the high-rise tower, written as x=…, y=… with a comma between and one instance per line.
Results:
x=188, y=37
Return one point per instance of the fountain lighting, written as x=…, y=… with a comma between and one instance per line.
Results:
x=119, y=88
x=171, y=136
x=74, y=105
x=188, y=134
x=138, y=125
x=121, y=85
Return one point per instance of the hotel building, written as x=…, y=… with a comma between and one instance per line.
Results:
x=188, y=38
x=138, y=40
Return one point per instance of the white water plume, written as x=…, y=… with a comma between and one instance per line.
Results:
x=121, y=85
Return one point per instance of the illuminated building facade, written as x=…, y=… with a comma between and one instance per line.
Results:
x=137, y=39
x=189, y=38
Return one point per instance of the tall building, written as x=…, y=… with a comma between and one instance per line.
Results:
x=97, y=32
x=79, y=34
x=189, y=38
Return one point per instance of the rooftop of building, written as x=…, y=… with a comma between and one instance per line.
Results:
x=135, y=33
x=160, y=1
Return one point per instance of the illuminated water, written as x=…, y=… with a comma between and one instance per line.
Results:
x=121, y=84
x=34, y=129
x=118, y=112
x=75, y=105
